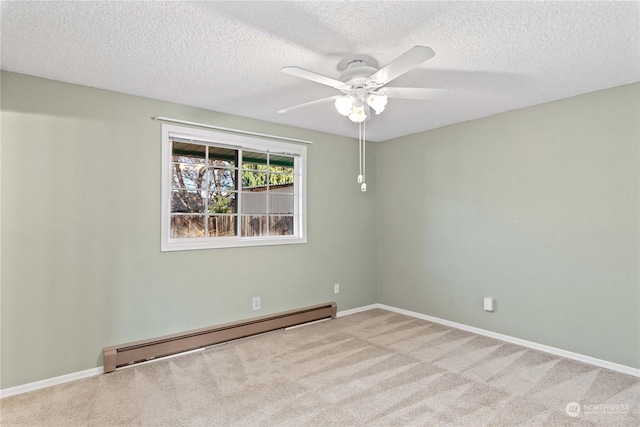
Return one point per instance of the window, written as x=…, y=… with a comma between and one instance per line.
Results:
x=225, y=190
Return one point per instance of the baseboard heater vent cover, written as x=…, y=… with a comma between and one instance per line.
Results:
x=141, y=351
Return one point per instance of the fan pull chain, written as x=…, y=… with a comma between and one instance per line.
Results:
x=360, y=152
x=363, y=157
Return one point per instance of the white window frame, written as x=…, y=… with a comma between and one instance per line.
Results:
x=238, y=142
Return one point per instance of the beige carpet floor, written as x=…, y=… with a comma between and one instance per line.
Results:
x=374, y=368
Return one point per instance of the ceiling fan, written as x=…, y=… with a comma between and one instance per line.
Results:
x=363, y=86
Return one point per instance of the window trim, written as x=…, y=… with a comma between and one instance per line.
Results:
x=236, y=142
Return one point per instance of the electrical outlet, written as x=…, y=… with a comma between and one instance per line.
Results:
x=336, y=288
x=488, y=304
x=256, y=303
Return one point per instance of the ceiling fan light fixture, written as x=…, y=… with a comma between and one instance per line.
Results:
x=344, y=104
x=377, y=102
x=358, y=114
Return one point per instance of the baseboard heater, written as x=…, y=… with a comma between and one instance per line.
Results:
x=141, y=351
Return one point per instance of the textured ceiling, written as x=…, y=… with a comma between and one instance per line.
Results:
x=491, y=57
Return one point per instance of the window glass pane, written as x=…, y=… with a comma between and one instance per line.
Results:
x=222, y=179
x=281, y=225
x=183, y=152
x=183, y=201
x=222, y=225
x=255, y=180
x=254, y=161
x=281, y=179
x=222, y=157
x=222, y=203
x=280, y=203
x=254, y=202
x=254, y=225
x=187, y=176
x=187, y=226
x=281, y=160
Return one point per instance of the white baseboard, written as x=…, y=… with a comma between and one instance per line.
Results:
x=357, y=310
x=547, y=349
x=12, y=391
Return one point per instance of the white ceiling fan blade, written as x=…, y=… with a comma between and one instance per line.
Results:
x=306, y=104
x=405, y=62
x=413, y=93
x=310, y=75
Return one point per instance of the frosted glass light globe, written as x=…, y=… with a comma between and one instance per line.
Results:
x=357, y=114
x=377, y=102
x=344, y=105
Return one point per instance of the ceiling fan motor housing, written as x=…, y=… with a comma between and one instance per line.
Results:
x=357, y=76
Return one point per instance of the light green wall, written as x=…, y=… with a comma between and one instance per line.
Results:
x=537, y=208
x=81, y=260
